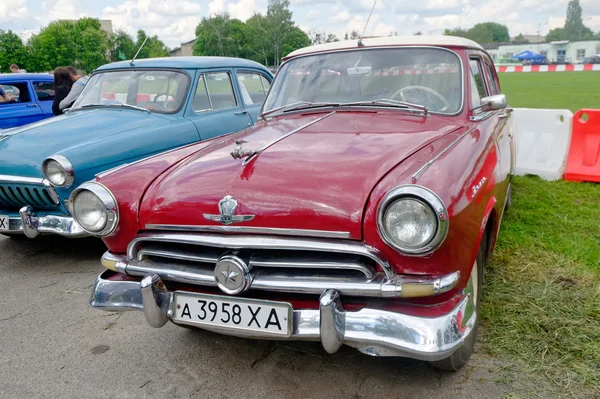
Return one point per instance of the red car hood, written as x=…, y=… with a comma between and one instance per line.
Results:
x=318, y=178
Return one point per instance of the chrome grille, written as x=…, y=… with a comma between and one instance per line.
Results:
x=14, y=195
x=283, y=264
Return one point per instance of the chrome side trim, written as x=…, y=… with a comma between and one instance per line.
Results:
x=262, y=242
x=20, y=180
x=423, y=168
x=278, y=139
x=176, y=255
x=251, y=230
x=372, y=331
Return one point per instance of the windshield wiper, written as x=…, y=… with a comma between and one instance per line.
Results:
x=114, y=106
x=300, y=105
x=388, y=102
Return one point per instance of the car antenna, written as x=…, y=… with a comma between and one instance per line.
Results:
x=360, y=43
x=136, y=54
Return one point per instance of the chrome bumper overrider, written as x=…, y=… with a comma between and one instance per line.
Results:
x=372, y=331
x=31, y=225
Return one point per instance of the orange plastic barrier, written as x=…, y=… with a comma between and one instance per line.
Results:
x=143, y=98
x=583, y=161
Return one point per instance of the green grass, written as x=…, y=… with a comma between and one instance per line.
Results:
x=541, y=304
x=558, y=90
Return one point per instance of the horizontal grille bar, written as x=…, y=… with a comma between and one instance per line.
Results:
x=268, y=251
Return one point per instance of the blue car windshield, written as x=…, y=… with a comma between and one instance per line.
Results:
x=156, y=90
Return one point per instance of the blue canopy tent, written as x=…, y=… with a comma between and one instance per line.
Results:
x=530, y=56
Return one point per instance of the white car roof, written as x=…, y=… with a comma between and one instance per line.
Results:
x=423, y=40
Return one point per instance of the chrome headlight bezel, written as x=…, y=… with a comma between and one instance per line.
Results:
x=426, y=197
x=69, y=173
x=111, y=208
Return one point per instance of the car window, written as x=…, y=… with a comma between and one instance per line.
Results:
x=252, y=87
x=428, y=77
x=477, y=83
x=220, y=90
x=162, y=91
x=213, y=92
x=44, y=91
x=18, y=91
x=491, y=79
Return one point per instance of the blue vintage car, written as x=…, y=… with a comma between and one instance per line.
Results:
x=32, y=94
x=126, y=112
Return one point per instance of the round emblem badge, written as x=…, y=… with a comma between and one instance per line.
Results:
x=232, y=275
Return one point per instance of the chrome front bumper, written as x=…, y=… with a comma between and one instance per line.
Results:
x=32, y=225
x=371, y=331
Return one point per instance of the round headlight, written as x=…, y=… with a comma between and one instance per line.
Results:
x=58, y=170
x=90, y=211
x=94, y=208
x=413, y=220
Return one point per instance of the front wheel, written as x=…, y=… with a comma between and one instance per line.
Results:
x=460, y=357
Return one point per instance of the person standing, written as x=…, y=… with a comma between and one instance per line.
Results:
x=62, y=87
x=79, y=83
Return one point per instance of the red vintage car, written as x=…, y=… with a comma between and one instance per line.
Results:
x=360, y=210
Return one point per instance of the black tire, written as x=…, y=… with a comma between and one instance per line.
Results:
x=459, y=358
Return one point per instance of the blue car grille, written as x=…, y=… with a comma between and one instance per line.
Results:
x=19, y=195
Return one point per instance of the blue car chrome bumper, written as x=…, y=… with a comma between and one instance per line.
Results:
x=30, y=224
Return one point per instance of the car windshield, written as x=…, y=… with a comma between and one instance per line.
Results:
x=155, y=90
x=427, y=77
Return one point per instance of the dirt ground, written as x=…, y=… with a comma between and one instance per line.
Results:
x=54, y=345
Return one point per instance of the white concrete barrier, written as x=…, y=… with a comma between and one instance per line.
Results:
x=543, y=139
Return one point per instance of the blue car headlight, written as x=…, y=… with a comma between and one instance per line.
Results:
x=58, y=171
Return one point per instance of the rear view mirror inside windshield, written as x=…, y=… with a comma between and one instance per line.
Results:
x=359, y=71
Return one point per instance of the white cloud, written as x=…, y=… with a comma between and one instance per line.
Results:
x=312, y=15
x=242, y=10
x=60, y=9
x=216, y=7
x=14, y=9
x=340, y=16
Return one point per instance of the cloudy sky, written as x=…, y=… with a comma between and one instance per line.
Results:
x=174, y=21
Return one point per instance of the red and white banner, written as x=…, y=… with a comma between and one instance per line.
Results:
x=549, y=68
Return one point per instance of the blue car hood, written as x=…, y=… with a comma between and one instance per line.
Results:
x=23, y=149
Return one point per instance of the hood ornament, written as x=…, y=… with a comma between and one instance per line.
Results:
x=227, y=207
x=240, y=152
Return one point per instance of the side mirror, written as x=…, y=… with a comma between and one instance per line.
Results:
x=493, y=103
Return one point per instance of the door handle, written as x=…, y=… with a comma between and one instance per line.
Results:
x=242, y=112
x=31, y=105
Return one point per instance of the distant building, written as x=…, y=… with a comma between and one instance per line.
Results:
x=558, y=51
x=186, y=49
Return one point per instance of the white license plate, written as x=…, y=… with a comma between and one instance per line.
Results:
x=3, y=222
x=262, y=317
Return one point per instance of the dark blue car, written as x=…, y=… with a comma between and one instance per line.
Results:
x=127, y=111
x=33, y=94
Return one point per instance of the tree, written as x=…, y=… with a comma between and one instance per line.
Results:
x=153, y=47
x=122, y=45
x=556, y=34
x=418, y=33
x=487, y=32
x=12, y=51
x=296, y=39
x=354, y=35
x=258, y=43
x=574, y=22
x=520, y=38
x=279, y=19
x=317, y=37
x=91, y=44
